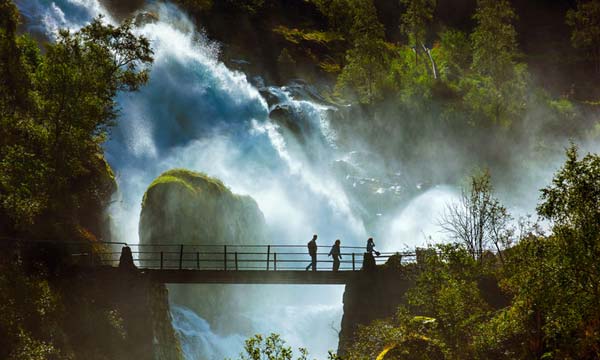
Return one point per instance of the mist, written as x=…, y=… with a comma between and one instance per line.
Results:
x=340, y=179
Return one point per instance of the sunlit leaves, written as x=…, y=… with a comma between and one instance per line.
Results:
x=271, y=347
x=55, y=112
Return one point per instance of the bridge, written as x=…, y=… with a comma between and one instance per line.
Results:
x=222, y=264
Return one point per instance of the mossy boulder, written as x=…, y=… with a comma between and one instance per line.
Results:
x=186, y=207
x=191, y=208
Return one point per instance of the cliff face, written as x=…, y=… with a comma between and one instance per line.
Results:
x=128, y=318
x=83, y=313
x=374, y=295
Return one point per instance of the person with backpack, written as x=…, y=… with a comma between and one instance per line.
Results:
x=369, y=262
x=371, y=247
x=312, y=251
x=336, y=253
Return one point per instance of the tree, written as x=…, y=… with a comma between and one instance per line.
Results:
x=55, y=116
x=365, y=72
x=455, y=55
x=271, y=347
x=18, y=57
x=28, y=315
x=367, y=58
x=572, y=203
x=585, y=23
x=440, y=319
x=494, y=39
x=415, y=21
x=478, y=219
x=339, y=14
x=497, y=89
x=555, y=279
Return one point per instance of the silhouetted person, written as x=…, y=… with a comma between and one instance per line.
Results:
x=371, y=247
x=126, y=259
x=335, y=252
x=312, y=251
x=368, y=258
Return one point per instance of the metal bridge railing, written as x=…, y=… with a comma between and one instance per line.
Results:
x=245, y=257
x=209, y=257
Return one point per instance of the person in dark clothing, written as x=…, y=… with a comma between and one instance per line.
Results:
x=126, y=259
x=312, y=251
x=336, y=253
x=371, y=247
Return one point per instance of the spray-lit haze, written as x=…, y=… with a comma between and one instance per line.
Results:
x=195, y=113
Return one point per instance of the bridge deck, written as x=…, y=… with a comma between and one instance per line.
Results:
x=177, y=276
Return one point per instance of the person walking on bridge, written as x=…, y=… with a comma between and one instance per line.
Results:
x=312, y=251
x=337, y=255
x=371, y=247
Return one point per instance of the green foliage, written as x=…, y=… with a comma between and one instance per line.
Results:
x=411, y=80
x=366, y=61
x=443, y=311
x=295, y=36
x=447, y=291
x=552, y=281
x=572, y=203
x=497, y=91
x=339, y=14
x=403, y=337
x=497, y=103
x=416, y=19
x=454, y=55
x=364, y=75
x=271, y=347
x=494, y=39
x=573, y=199
x=56, y=110
x=585, y=24
x=28, y=307
x=79, y=315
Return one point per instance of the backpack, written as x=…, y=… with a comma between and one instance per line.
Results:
x=312, y=246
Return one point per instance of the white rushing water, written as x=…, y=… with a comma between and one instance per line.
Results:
x=196, y=113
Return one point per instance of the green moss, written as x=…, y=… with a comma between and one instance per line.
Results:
x=168, y=179
x=191, y=207
x=194, y=182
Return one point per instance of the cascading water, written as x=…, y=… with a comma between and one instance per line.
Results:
x=195, y=113
x=198, y=340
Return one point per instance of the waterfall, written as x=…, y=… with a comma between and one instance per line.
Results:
x=198, y=341
x=196, y=113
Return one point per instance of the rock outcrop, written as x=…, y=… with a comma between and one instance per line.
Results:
x=128, y=318
x=378, y=293
x=374, y=295
x=186, y=207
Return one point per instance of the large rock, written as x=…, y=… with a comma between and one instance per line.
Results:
x=186, y=207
